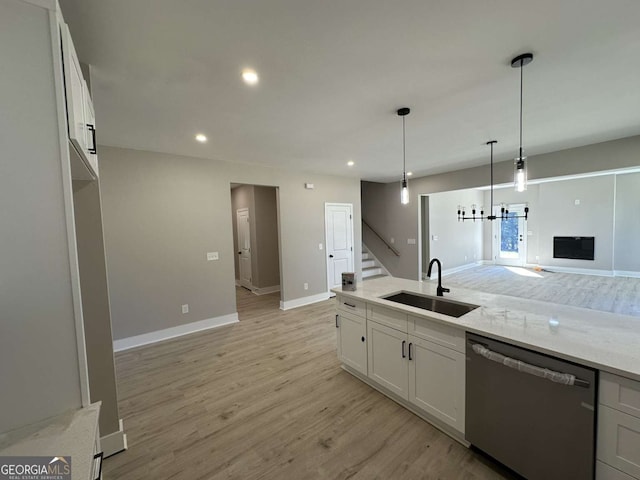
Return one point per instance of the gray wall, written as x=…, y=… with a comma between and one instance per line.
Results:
x=162, y=213
x=592, y=218
x=39, y=368
x=381, y=206
x=627, y=223
x=95, y=303
x=263, y=220
x=457, y=243
x=266, y=208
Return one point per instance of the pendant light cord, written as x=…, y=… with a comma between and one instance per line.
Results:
x=521, y=81
x=404, y=159
x=491, y=205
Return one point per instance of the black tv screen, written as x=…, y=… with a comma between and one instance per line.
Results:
x=579, y=248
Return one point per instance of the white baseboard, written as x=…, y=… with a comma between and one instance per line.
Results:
x=467, y=266
x=266, y=290
x=168, y=333
x=579, y=271
x=114, y=442
x=626, y=273
x=299, y=302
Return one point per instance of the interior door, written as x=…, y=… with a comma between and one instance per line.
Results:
x=511, y=238
x=339, y=235
x=244, y=247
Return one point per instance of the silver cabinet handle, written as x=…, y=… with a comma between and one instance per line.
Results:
x=535, y=370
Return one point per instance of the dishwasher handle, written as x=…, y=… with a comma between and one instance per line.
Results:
x=557, y=377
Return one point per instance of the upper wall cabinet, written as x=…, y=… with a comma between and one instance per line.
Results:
x=80, y=114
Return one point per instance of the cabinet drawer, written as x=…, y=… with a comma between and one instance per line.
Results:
x=356, y=307
x=605, y=472
x=435, y=332
x=388, y=317
x=620, y=393
x=619, y=440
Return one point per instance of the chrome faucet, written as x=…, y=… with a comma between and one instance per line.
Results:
x=440, y=289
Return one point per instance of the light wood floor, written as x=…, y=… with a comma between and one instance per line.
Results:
x=266, y=398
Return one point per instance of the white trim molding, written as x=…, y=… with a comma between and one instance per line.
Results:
x=173, y=332
x=114, y=442
x=266, y=290
x=579, y=271
x=299, y=302
x=626, y=273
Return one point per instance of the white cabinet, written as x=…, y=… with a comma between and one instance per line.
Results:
x=80, y=113
x=436, y=381
x=351, y=332
x=352, y=346
x=388, y=359
x=416, y=360
x=618, y=449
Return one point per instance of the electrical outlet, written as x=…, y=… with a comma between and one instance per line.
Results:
x=392, y=240
x=212, y=256
x=465, y=258
x=306, y=286
x=185, y=308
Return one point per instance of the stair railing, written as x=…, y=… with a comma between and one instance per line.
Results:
x=396, y=252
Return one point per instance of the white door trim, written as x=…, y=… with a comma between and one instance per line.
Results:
x=327, y=206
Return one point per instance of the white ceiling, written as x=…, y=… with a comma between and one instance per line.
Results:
x=333, y=73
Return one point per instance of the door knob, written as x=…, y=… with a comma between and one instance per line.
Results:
x=239, y=253
x=330, y=256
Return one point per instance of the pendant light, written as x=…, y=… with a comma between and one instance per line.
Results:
x=404, y=189
x=520, y=165
x=504, y=212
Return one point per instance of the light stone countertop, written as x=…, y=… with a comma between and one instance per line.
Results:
x=601, y=340
x=70, y=434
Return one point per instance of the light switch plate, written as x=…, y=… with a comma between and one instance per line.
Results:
x=185, y=308
x=212, y=256
x=320, y=246
x=411, y=241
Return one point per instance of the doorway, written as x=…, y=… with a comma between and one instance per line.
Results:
x=256, y=241
x=510, y=237
x=339, y=241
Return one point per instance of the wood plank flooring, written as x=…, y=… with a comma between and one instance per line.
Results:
x=266, y=399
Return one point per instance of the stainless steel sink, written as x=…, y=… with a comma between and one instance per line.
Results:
x=433, y=304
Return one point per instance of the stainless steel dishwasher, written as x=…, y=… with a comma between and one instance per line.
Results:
x=532, y=412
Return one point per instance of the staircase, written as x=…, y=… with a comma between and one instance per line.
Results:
x=371, y=267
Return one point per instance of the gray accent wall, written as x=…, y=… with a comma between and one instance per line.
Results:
x=381, y=205
x=39, y=367
x=163, y=213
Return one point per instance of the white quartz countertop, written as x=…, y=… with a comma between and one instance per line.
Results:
x=71, y=434
x=601, y=340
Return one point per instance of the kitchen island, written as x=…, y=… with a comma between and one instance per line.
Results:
x=417, y=357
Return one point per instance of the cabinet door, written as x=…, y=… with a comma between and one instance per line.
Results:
x=388, y=361
x=619, y=440
x=352, y=345
x=436, y=381
x=74, y=89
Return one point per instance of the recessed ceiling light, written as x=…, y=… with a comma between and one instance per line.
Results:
x=409, y=174
x=250, y=76
x=351, y=163
x=201, y=138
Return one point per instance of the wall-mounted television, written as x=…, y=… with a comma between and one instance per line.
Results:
x=578, y=248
